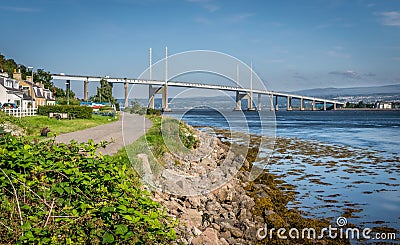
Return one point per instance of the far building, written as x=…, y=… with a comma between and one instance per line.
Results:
x=10, y=92
x=39, y=94
x=383, y=105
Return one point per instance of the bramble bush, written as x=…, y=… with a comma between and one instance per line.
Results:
x=67, y=194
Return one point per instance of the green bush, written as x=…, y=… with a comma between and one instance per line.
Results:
x=66, y=194
x=75, y=111
x=151, y=111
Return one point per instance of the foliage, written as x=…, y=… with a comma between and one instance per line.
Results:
x=360, y=104
x=66, y=194
x=75, y=111
x=170, y=134
x=7, y=65
x=137, y=108
x=151, y=111
x=44, y=77
x=63, y=101
x=104, y=93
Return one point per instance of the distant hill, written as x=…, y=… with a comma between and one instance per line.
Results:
x=333, y=92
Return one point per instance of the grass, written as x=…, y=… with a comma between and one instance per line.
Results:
x=165, y=136
x=35, y=124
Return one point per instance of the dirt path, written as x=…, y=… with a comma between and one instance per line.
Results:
x=124, y=132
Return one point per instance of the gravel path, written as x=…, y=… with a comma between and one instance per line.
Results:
x=125, y=131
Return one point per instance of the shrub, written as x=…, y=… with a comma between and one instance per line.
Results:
x=151, y=111
x=74, y=111
x=66, y=194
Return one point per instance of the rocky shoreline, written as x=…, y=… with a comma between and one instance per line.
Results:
x=234, y=213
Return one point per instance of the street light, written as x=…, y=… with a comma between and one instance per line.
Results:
x=67, y=87
x=31, y=68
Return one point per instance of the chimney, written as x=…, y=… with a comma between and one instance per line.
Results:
x=17, y=75
x=40, y=84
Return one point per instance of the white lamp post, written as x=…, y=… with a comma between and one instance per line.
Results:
x=31, y=68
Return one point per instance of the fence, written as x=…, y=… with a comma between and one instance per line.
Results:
x=18, y=112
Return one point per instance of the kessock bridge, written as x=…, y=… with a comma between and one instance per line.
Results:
x=161, y=87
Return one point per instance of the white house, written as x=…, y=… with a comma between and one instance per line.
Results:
x=383, y=105
x=10, y=92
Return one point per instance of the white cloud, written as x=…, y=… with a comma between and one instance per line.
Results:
x=348, y=74
x=391, y=18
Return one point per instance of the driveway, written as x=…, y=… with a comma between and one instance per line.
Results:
x=124, y=132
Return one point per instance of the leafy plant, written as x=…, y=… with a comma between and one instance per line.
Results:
x=67, y=194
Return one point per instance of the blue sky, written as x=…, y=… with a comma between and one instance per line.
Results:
x=292, y=44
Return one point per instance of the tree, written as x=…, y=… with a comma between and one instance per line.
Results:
x=44, y=77
x=104, y=93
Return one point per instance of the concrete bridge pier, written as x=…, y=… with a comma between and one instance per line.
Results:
x=259, y=102
x=239, y=98
x=301, y=104
x=238, y=102
x=165, y=98
x=334, y=106
x=289, y=104
x=271, y=102
x=126, y=87
x=85, y=89
x=250, y=106
x=313, y=105
x=324, y=105
x=276, y=104
x=152, y=92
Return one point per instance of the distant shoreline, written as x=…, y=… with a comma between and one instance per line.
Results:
x=366, y=109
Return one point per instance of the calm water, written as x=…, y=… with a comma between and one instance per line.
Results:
x=374, y=136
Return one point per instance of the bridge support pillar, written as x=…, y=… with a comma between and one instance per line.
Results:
x=250, y=102
x=334, y=106
x=126, y=87
x=324, y=105
x=313, y=105
x=85, y=90
x=259, y=102
x=271, y=102
x=276, y=104
x=151, y=97
x=301, y=104
x=165, y=99
x=289, y=103
x=238, y=102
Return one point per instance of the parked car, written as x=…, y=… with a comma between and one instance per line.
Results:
x=9, y=106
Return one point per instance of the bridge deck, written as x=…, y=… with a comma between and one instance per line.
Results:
x=189, y=85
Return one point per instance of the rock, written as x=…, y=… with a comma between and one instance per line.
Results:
x=222, y=241
x=226, y=235
x=216, y=226
x=191, y=217
x=236, y=232
x=209, y=236
x=196, y=231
